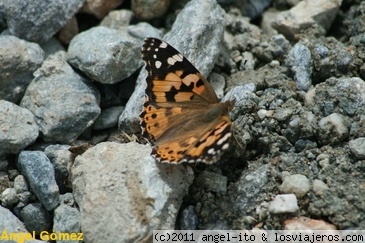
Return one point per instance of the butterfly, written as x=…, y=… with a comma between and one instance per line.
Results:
x=181, y=115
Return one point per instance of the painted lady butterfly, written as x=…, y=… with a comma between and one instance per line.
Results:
x=181, y=115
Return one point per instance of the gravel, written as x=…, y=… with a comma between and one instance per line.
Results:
x=69, y=84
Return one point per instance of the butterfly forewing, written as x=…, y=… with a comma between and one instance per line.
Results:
x=171, y=77
x=182, y=115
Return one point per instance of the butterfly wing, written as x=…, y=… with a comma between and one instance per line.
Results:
x=205, y=146
x=181, y=114
x=172, y=78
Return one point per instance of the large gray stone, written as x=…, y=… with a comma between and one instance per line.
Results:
x=38, y=21
x=19, y=59
x=66, y=220
x=123, y=194
x=105, y=55
x=62, y=101
x=18, y=128
x=36, y=218
x=9, y=223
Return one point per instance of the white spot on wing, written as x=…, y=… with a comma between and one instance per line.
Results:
x=154, y=56
x=178, y=57
x=225, y=146
x=223, y=139
x=158, y=64
x=163, y=45
x=171, y=61
x=211, y=151
x=175, y=58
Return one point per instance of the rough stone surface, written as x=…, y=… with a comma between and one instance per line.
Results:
x=105, y=55
x=36, y=218
x=63, y=103
x=252, y=8
x=333, y=129
x=189, y=219
x=319, y=186
x=345, y=96
x=18, y=128
x=304, y=14
x=39, y=172
x=149, y=9
x=304, y=223
x=296, y=184
x=286, y=203
x=127, y=172
x=38, y=21
x=299, y=62
x=20, y=184
x=108, y=118
x=100, y=8
x=213, y=182
x=9, y=197
x=12, y=224
x=19, y=59
x=61, y=159
x=67, y=220
x=117, y=19
x=357, y=147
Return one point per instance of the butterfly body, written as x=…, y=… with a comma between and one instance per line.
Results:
x=181, y=115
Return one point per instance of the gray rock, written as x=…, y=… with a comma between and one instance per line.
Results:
x=319, y=186
x=241, y=94
x=66, y=220
x=333, y=129
x=200, y=23
x=108, y=118
x=286, y=203
x=51, y=47
x=38, y=170
x=299, y=62
x=127, y=172
x=18, y=126
x=105, y=55
x=189, y=219
x=12, y=224
x=218, y=82
x=305, y=14
x=36, y=218
x=213, y=182
x=67, y=198
x=357, y=147
x=252, y=8
x=149, y=9
x=38, y=21
x=20, y=184
x=117, y=19
x=297, y=184
x=344, y=94
x=61, y=159
x=99, y=8
x=9, y=197
x=248, y=187
x=143, y=30
x=267, y=18
x=3, y=164
x=19, y=59
x=62, y=101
